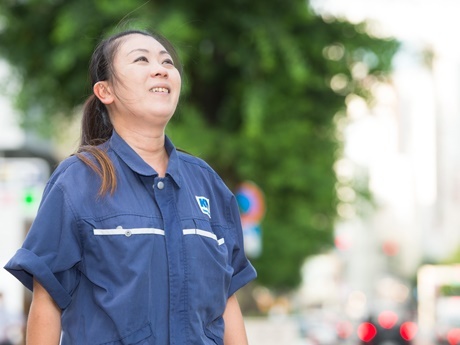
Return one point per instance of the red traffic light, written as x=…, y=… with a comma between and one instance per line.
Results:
x=408, y=330
x=453, y=336
x=367, y=331
x=387, y=319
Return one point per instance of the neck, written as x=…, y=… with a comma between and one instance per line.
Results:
x=149, y=145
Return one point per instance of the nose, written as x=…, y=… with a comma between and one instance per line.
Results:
x=159, y=70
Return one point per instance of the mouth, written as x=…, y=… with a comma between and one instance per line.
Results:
x=159, y=90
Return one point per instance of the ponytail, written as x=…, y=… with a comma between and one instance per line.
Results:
x=95, y=124
x=96, y=129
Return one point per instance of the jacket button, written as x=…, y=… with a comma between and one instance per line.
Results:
x=160, y=185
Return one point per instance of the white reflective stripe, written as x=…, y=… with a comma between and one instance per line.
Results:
x=189, y=231
x=136, y=231
x=206, y=234
x=203, y=233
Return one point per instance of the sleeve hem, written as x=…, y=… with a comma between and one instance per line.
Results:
x=241, y=279
x=25, y=266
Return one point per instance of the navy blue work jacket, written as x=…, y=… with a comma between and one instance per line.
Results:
x=154, y=263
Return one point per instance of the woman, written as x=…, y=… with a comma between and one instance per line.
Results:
x=134, y=242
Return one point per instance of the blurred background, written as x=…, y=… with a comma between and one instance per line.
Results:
x=336, y=124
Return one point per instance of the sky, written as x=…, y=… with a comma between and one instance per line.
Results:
x=433, y=22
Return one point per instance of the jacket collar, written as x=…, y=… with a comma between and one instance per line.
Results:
x=138, y=165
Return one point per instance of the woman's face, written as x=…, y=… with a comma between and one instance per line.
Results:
x=146, y=85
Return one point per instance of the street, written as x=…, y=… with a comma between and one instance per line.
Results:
x=273, y=331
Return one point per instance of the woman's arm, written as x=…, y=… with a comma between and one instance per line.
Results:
x=235, y=332
x=44, y=320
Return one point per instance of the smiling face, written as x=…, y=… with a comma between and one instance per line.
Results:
x=145, y=87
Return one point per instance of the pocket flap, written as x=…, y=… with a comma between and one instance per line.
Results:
x=134, y=337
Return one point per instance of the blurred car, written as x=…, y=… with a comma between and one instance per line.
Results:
x=447, y=327
x=386, y=329
x=447, y=335
x=321, y=327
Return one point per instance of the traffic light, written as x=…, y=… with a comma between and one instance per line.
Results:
x=22, y=180
x=29, y=199
x=367, y=331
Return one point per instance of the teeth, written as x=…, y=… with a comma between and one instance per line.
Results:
x=159, y=89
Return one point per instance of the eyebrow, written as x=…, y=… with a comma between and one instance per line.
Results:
x=143, y=50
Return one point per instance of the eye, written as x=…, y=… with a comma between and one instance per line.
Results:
x=168, y=62
x=141, y=58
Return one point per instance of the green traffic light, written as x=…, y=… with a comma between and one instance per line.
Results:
x=29, y=199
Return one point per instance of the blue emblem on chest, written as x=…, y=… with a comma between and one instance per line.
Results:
x=204, y=205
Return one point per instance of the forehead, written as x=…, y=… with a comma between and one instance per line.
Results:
x=135, y=42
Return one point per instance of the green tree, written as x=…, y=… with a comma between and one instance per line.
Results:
x=265, y=82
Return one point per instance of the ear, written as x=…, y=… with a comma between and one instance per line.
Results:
x=103, y=91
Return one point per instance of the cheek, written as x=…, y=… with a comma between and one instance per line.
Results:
x=174, y=76
x=179, y=87
x=179, y=81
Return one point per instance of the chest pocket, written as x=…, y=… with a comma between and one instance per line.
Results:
x=208, y=267
x=122, y=254
x=119, y=230
x=203, y=234
x=118, y=248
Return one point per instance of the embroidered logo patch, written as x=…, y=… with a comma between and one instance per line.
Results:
x=205, y=207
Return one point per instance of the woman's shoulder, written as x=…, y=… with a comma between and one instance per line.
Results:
x=196, y=163
x=197, y=169
x=70, y=168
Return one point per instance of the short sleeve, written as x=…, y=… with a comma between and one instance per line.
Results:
x=243, y=272
x=51, y=250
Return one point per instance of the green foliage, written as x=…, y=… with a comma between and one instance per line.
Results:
x=449, y=290
x=263, y=82
x=452, y=259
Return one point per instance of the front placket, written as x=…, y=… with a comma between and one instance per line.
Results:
x=165, y=196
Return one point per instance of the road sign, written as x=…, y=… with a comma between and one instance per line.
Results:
x=252, y=209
